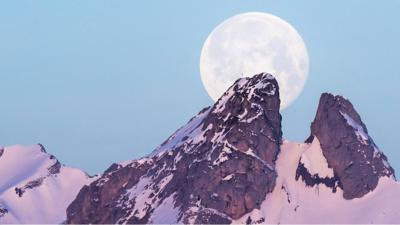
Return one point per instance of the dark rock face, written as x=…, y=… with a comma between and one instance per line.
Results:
x=3, y=211
x=42, y=148
x=30, y=185
x=218, y=167
x=312, y=180
x=349, y=150
x=250, y=109
x=102, y=196
x=55, y=168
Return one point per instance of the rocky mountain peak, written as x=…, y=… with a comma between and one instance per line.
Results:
x=228, y=164
x=221, y=166
x=248, y=117
x=350, y=151
x=214, y=169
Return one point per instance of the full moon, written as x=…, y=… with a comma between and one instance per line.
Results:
x=251, y=43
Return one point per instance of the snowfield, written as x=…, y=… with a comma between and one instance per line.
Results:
x=46, y=187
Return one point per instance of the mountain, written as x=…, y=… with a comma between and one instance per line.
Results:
x=35, y=187
x=230, y=164
x=217, y=167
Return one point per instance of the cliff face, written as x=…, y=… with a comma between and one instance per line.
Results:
x=352, y=154
x=218, y=167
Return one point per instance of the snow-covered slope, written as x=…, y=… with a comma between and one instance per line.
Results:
x=35, y=187
x=292, y=201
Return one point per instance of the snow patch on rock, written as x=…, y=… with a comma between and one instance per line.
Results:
x=315, y=162
x=166, y=212
x=358, y=129
x=189, y=131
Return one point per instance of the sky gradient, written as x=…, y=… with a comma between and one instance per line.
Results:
x=98, y=82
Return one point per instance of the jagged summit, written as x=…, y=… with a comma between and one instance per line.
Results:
x=216, y=168
x=245, y=110
x=247, y=115
x=255, y=89
x=230, y=164
x=350, y=151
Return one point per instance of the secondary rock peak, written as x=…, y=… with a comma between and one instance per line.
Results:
x=347, y=146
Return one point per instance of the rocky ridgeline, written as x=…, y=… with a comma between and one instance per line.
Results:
x=349, y=150
x=221, y=165
x=217, y=168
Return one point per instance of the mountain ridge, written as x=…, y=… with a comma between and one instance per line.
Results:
x=231, y=164
x=215, y=140
x=34, y=186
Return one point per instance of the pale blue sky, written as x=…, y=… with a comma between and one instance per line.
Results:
x=98, y=82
